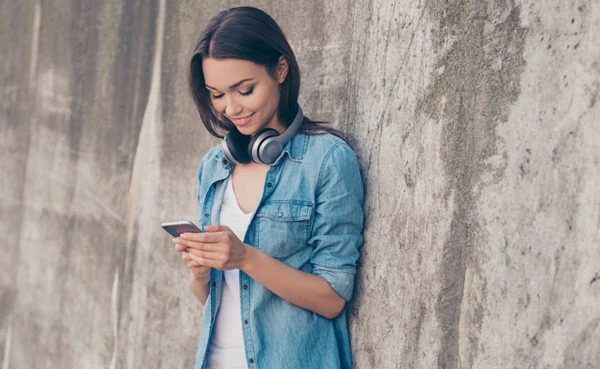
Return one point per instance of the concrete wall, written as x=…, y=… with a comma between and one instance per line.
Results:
x=477, y=124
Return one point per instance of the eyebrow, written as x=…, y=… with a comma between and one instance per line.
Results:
x=233, y=85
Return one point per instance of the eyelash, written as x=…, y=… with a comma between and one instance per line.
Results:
x=247, y=92
x=243, y=93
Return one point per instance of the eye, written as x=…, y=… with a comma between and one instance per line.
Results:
x=215, y=96
x=246, y=92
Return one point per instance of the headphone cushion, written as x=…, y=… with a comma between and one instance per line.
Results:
x=257, y=140
x=237, y=144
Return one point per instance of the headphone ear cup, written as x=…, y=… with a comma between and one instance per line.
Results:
x=235, y=146
x=256, y=142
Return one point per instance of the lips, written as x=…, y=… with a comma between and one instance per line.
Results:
x=242, y=121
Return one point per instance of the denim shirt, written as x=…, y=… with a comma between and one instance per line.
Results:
x=310, y=217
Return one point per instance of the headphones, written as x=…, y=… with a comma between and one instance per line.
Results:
x=263, y=147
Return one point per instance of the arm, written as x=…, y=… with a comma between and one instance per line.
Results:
x=306, y=290
x=220, y=248
x=199, y=279
x=200, y=287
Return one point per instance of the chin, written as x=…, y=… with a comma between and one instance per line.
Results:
x=247, y=131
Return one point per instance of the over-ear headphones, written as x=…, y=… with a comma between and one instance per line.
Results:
x=263, y=147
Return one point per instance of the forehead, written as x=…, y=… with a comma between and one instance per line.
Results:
x=222, y=73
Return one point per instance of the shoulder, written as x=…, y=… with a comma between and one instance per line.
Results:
x=335, y=168
x=329, y=150
x=331, y=160
x=211, y=163
x=324, y=140
x=214, y=153
x=212, y=156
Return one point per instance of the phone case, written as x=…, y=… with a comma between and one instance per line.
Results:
x=177, y=228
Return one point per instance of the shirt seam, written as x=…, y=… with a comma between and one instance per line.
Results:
x=318, y=185
x=326, y=157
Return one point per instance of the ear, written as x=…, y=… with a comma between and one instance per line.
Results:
x=282, y=69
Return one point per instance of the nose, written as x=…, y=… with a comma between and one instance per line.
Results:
x=232, y=108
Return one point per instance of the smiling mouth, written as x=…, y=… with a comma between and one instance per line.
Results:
x=242, y=121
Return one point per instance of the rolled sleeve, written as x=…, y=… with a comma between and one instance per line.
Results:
x=336, y=236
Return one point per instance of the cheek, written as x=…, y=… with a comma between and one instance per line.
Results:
x=265, y=98
x=218, y=105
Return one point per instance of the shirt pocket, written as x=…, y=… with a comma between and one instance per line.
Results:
x=284, y=227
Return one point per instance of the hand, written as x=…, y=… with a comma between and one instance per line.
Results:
x=217, y=247
x=199, y=271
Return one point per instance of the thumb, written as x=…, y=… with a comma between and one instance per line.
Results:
x=216, y=228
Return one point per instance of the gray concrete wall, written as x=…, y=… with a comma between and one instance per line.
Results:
x=477, y=126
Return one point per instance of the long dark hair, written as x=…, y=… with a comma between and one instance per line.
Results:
x=247, y=33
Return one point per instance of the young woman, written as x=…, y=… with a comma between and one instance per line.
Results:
x=281, y=206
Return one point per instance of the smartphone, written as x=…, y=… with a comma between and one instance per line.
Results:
x=182, y=226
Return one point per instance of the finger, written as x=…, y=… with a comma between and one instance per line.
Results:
x=178, y=245
x=198, y=255
x=186, y=244
x=191, y=263
x=187, y=260
x=211, y=246
x=202, y=237
x=217, y=264
x=216, y=228
x=208, y=259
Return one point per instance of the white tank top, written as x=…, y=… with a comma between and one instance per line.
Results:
x=226, y=347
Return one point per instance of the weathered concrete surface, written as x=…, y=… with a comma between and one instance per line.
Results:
x=477, y=125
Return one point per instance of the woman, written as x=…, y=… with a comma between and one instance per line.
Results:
x=281, y=203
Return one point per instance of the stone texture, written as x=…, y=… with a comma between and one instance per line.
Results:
x=477, y=127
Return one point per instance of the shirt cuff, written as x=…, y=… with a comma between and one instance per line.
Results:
x=341, y=280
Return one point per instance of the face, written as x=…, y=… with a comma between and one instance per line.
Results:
x=244, y=92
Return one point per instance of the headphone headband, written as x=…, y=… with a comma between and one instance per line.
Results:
x=293, y=128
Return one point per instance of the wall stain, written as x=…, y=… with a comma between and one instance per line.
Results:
x=412, y=345
x=478, y=80
x=596, y=278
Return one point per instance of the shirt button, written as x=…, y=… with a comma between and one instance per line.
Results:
x=245, y=285
x=214, y=284
x=245, y=321
x=251, y=361
x=280, y=215
x=206, y=215
x=269, y=184
x=225, y=162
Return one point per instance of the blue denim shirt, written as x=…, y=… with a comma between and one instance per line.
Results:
x=310, y=217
